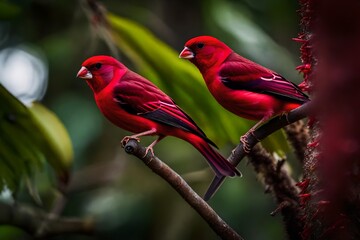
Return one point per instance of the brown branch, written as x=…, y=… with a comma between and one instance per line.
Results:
x=219, y=226
x=280, y=183
x=56, y=210
x=96, y=13
x=282, y=186
x=113, y=170
x=31, y=219
x=260, y=133
x=298, y=135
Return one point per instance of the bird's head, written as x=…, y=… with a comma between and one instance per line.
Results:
x=205, y=51
x=99, y=71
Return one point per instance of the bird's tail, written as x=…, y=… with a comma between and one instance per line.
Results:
x=214, y=186
x=217, y=162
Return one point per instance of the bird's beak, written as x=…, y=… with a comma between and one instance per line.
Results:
x=186, y=53
x=84, y=73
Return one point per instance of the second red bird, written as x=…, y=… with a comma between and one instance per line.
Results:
x=243, y=87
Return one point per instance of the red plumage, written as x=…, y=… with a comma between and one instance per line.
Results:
x=243, y=87
x=133, y=103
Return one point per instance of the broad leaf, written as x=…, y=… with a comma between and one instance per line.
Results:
x=29, y=138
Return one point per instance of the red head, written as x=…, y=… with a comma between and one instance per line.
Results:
x=98, y=71
x=205, y=52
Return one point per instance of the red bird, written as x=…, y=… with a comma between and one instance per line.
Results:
x=243, y=87
x=135, y=104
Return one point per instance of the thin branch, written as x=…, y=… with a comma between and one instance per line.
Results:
x=96, y=14
x=57, y=207
x=31, y=219
x=220, y=227
x=113, y=170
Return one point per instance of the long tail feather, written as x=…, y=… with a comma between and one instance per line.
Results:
x=218, y=163
x=214, y=186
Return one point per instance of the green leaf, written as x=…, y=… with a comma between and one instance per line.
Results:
x=30, y=137
x=57, y=146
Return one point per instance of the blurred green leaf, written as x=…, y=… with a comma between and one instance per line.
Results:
x=29, y=137
x=181, y=80
x=11, y=233
x=8, y=10
x=58, y=148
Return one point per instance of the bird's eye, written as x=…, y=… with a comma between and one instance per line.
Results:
x=98, y=65
x=200, y=45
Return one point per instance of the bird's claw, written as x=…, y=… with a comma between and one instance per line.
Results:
x=245, y=144
x=149, y=148
x=233, y=151
x=126, y=139
x=286, y=116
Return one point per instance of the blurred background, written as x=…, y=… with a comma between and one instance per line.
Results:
x=42, y=46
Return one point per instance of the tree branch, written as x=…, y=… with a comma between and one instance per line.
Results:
x=220, y=227
x=31, y=219
x=260, y=133
x=282, y=185
x=298, y=135
x=277, y=179
x=113, y=170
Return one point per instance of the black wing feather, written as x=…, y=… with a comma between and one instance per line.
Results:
x=279, y=87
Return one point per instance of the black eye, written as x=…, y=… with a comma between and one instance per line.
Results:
x=200, y=45
x=98, y=65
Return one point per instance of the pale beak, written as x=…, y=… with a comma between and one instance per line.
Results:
x=84, y=73
x=186, y=53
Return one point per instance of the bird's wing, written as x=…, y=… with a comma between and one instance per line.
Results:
x=242, y=74
x=138, y=96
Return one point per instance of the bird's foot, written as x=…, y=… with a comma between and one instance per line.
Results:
x=233, y=151
x=149, y=148
x=286, y=116
x=126, y=139
x=245, y=143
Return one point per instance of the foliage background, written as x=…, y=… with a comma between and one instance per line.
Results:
x=133, y=203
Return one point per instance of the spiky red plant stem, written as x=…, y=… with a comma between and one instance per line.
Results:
x=310, y=181
x=330, y=191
